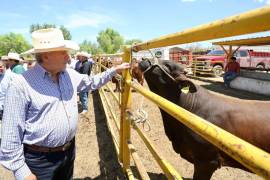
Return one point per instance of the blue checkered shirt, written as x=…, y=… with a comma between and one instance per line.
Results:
x=4, y=84
x=39, y=111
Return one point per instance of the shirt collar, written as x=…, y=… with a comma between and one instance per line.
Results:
x=43, y=72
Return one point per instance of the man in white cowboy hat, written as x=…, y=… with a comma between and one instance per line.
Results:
x=2, y=75
x=4, y=59
x=84, y=67
x=40, y=115
x=6, y=78
x=81, y=56
x=14, y=62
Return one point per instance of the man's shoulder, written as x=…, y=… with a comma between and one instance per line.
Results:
x=71, y=72
x=16, y=79
x=73, y=75
x=88, y=63
x=18, y=69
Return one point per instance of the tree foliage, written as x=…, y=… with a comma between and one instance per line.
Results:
x=34, y=27
x=90, y=47
x=13, y=43
x=132, y=41
x=196, y=47
x=66, y=33
x=110, y=41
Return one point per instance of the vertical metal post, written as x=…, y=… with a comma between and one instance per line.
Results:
x=124, y=123
x=195, y=67
x=99, y=63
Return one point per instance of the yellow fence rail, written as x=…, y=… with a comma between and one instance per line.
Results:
x=250, y=22
x=169, y=171
x=250, y=156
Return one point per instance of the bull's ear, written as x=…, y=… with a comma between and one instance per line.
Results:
x=186, y=85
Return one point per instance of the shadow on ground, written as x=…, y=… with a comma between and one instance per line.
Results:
x=80, y=109
x=220, y=88
x=109, y=165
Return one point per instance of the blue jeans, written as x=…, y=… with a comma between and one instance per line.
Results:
x=1, y=115
x=51, y=165
x=228, y=77
x=84, y=100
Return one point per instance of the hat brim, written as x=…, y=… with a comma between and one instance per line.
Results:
x=84, y=55
x=68, y=46
x=15, y=59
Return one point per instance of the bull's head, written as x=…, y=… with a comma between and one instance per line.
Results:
x=167, y=73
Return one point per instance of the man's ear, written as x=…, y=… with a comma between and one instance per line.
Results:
x=44, y=56
x=185, y=84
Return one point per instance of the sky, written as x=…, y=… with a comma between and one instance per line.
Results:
x=141, y=19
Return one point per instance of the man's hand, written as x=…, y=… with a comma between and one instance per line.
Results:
x=121, y=67
x=31, y=177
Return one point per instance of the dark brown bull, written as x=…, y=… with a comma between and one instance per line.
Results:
x=134, y=70
x=136, y=73
x=247, y=119
x=108, y=64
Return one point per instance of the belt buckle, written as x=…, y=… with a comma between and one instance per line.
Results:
x=66, y=146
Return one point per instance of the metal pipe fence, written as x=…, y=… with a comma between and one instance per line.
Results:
x=250, y=156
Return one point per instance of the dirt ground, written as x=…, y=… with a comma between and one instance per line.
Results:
x=96, y=157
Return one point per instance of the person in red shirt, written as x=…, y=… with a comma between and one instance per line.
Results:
x=232, y=70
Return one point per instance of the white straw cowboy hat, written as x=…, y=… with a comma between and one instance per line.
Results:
x=4, y=58
x=14, y=56
x=83, y=53
x=51, y=39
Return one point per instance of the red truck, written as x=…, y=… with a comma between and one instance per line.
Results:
x=214, y=61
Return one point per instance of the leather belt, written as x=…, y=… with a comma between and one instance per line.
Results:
x=62, y=148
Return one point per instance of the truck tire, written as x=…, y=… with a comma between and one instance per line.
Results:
x=217, y=70
x=260, y=66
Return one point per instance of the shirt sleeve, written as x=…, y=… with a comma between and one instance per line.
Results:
x=94, y=82
x=13, y=127
x=238, y=68
x=3, y=88
x=226, y=67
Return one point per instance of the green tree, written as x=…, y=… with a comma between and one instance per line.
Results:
x=132, y=41
x=13, y=43
x=90, y=47
x=66, y=33
x=196, y=47
x=109, y=41
x=34, y=27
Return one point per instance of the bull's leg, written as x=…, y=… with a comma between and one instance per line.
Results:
x=204, y=171
x=117, y=87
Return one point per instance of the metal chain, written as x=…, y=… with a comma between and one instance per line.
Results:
x=140, y=117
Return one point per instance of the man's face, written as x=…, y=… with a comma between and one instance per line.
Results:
x=6, y=63
x=2, y=68
x=11, y=62
x=55, y=61
x=79, y=58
